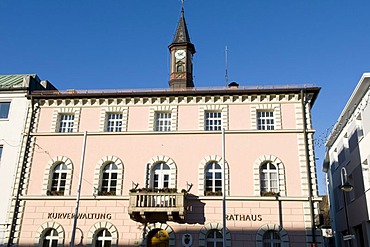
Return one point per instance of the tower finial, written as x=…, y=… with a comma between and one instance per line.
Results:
x=182, y=6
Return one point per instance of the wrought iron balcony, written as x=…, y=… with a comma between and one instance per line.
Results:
x=158, y=206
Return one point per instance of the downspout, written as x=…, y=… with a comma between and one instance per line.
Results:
x=307, y=153
x=21, y=179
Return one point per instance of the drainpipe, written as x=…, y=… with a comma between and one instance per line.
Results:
x=307, y=152
x=72, y=244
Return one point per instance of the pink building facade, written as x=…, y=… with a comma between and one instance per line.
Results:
x=152, y=170
x=161, y=141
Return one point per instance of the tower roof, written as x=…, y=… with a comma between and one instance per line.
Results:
x=182, y=34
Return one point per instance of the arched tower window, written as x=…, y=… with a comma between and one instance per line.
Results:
x=180, y=67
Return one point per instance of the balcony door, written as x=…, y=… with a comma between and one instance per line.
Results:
x=161, y=176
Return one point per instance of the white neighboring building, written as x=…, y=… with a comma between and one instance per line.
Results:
x=13, y=110
x=348, y=152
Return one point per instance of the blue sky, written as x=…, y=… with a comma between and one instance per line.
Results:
x=117, y=44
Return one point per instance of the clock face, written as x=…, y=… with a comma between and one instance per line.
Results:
x=180, y=54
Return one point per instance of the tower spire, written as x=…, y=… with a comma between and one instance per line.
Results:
x=182, y=51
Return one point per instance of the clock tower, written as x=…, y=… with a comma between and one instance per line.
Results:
x=181, y=61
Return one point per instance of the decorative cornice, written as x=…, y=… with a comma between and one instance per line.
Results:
x=170, y=100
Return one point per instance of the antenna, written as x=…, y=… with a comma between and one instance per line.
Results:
x=226, y=67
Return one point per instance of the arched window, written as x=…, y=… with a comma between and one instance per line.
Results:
x=213, y=177
x=58, y=180
x=269, y=178
x=271, y=238
x=214, y=238
x=161, y=176
x=50, y=238
x=103, y=238
x=272, y=235
x=109, y=179
x=180, y=67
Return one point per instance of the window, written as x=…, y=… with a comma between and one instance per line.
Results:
x=4, y=110
x=214, y=238
x=114, y=122
x=213, y=120
x=265, y=120
x=268, y=178
x=1, y=152
x=109, y=179
x=66, y=122
x=271, y=238
x=163, y=121
x=180, y=67
x=161, y=176
x=50, y=238
x=103, y=239
x=58, y=181
x=213, y=179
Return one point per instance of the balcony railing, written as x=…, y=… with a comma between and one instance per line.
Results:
x=157, y=206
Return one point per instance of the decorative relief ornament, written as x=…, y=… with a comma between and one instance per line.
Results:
x=187, y=240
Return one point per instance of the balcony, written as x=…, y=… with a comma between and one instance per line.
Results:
x=157, y=206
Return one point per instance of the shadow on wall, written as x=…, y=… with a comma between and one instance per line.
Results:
x=235, y=238
x=194, y=211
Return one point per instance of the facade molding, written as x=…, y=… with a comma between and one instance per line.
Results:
x=165, y=159
x=65, y=110
x=100, y=226
x=201, y=173
x=99, y=169
x=281, y=173
x=47, y=226
x=48, y=174
x=284, y=237
x=224, y=109
x=113, y=109
x=178, y=100
x=212, y=226
x=164, y=108
x=276, y=108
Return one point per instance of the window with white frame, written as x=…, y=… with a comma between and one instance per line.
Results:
x=213, y=120
x=50, y=238
x=161, y=174
x=58, y=180
x=114, y=122
x=271, y=238
x=213, y=179
x=109, y=179
x=4, y=110
x=265, y=120
x=163, y=121
x=214, y=238
x=66, y=123
x=269, y=178
x=103, y=238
